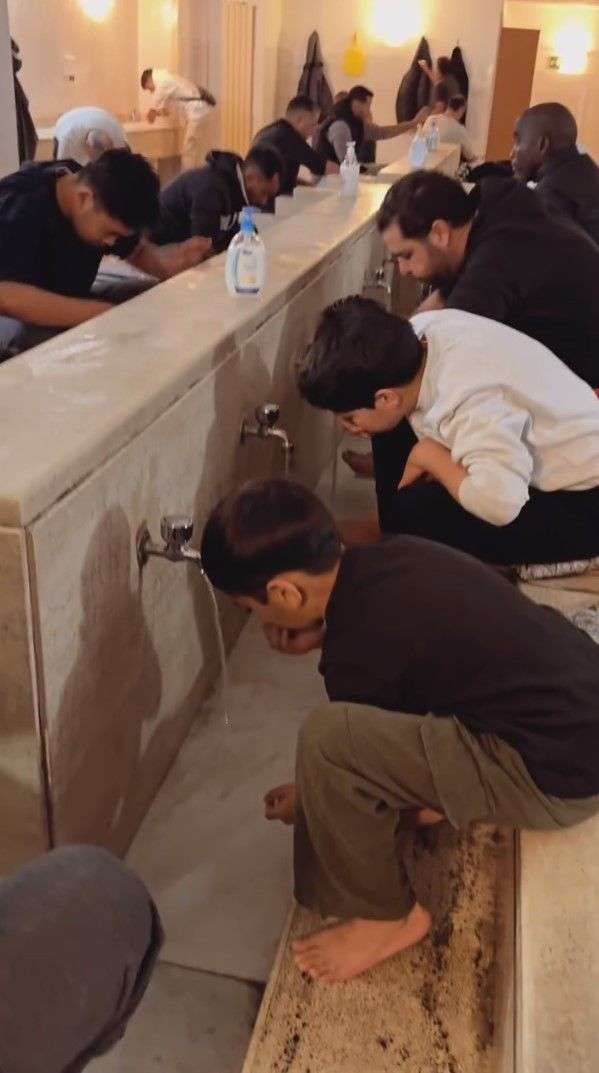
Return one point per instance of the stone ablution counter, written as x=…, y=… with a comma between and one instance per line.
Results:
x=132, y=416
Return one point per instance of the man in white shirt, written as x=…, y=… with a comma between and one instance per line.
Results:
x=451, y=129
x=83, y=134
x=506, y=464
x=178, y=96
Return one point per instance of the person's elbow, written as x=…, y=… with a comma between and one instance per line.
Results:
x=497, y=505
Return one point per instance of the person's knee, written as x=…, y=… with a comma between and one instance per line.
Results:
x=323, y=735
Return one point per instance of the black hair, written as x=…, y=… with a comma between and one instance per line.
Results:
x=126, y=187
x=263, y=529
x=441, y=94
x=302, y=103
x=265, y=158
x=360, y=93
x=359, y=348
x=552, y=121
x=444, y=66
x=457, y=102
x=417, y=200
x=146, y=76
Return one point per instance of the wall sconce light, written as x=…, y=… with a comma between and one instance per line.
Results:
x=97, y=10
x=170, y=13
x=572, y=43
x=395, y=21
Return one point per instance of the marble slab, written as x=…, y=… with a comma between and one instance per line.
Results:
x=23, y=825
x=220, y=874
x=127, y=661
x=90, y=391
x=188, y=1022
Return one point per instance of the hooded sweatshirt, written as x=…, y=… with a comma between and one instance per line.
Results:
x=204, y=201
x=569, y=185
x=537, y=274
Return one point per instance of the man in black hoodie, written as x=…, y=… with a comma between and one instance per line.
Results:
x=207, y=201
x=545, y=152
x=496, y=253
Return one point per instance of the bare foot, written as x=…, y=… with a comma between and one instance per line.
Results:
x=279, y=804
x=427, y=817
x=361, y=464
x=343, y=951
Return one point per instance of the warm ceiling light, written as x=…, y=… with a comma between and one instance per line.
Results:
x=573, y=42
x=97, y=10
x=395, y=21
x=170, y=13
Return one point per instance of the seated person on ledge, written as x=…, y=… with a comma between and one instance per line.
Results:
x=289, y=138
x=57, y=221
x=452, y=696
x=506, y=463
x=207, y=202
x=545, y=152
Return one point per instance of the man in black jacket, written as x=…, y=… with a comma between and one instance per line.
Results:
x=289, y=137
x=545, y=152
x=208, y=201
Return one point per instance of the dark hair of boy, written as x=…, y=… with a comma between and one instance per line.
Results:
x=263, y=529
x=266, y=159
x=444, y=66
x=125, y=186
x=358, y=349
x=457, y=102
x=359, y=93
x=302, y=103
x=417, y=200
x=146, y=76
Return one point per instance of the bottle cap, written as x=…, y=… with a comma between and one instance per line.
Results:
x=246, y=221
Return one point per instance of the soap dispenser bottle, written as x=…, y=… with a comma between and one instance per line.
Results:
x=418, y=149
x=245, y=270
x=350, y=172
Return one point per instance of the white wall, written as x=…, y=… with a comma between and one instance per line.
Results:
x=269, y=28
x=105, y=56
x=157, y=43
x=474, y=24
x=8, y=124
x=579, y=92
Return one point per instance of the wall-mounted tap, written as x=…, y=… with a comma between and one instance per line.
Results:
x=266, y=417
x=380, y=280
x=176, y=532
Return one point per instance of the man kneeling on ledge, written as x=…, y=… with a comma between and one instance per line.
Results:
x=452, y=696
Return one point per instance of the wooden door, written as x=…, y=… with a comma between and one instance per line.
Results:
x=514, y=75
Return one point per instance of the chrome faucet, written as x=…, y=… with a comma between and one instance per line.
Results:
x=265, y=428
x=379, y=280
x=176, y=532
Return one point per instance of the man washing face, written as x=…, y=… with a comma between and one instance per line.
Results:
x=438, y=709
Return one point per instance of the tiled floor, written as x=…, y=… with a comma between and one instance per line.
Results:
x=221, y=875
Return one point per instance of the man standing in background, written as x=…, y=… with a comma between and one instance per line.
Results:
x=176, y=95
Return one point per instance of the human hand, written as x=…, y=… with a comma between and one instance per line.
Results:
x=152, y=115
x=295, y=642
x=422, y=115
x=420, y=463
x=280, y=804
x=194, y=250
x=423, y=64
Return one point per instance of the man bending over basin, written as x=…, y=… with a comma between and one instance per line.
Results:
x=506, y=458
x=57, y=221
x=451, y=696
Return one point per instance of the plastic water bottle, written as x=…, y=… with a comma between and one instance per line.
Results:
x=418, y=149
x=245, y=270
x=433, y=138
x=350, y=172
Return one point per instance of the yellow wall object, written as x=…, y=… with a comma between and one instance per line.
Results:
x=354, y=59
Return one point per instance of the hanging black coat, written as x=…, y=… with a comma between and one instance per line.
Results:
x=415, y=87
x=313, y=82
x=458, y=70
x=26, y=132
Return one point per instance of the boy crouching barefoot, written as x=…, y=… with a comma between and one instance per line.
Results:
x=451, y=695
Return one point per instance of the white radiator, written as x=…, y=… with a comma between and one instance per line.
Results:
x=238, y=33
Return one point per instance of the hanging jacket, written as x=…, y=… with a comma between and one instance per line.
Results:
x=313, y=82
x=341, y=112
x=26, y=132
x=458, y=68
x=415, y=87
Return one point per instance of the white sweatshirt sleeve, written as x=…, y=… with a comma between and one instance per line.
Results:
x=485, y=436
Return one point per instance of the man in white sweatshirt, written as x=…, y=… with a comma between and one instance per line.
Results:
x=177, y=96
x=506, y=464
